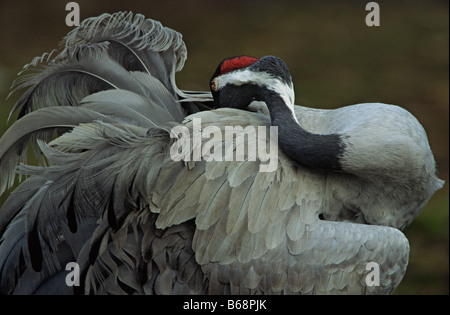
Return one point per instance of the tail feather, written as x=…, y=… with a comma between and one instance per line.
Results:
x=99, y=55
x=37, y=125
x=66, y=82
x=132, y=58
x=111, y=90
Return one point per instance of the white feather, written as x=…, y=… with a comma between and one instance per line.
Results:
x=264, y=79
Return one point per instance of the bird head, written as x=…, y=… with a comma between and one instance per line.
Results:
x=238, y=81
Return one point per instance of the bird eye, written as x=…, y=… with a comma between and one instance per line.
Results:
x=214, y=86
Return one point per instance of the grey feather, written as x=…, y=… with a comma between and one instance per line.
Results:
x=42, y=125
x=109, y=196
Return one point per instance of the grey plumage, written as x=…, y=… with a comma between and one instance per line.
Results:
x=109, y=197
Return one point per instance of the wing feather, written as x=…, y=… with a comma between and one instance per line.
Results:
x=239, y=203
x=41, y=124
x=269, y=237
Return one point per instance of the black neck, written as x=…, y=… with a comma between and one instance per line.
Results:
x=312, y=150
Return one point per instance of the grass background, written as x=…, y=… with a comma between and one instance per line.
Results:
x=334, y=58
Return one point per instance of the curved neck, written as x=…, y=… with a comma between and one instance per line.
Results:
x=312, y=150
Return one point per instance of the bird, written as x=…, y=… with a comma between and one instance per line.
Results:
x=110, y=195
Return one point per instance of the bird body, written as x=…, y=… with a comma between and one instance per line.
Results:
x=376, y=132
x=112, y=199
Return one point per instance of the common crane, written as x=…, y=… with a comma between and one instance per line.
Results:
x=110, y=197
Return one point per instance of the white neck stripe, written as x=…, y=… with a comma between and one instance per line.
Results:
x=241, y=77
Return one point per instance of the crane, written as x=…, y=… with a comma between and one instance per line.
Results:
x=110, y=197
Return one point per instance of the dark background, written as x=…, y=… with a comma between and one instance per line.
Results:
x=334, y=58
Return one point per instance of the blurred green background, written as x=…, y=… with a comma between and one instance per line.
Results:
x=334, y=58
